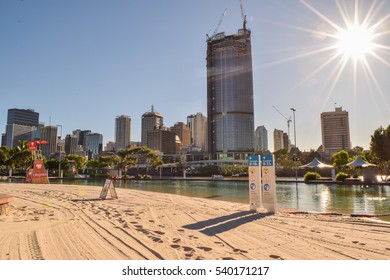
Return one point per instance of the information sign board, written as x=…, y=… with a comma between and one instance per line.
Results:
x=108, y=186
x=268, y=193
x=254, y=182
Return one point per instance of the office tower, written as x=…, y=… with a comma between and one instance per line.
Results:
x=49, y=133
x=71, y=144
x=93, y=144
x=21, y=125
x=278, y=140
x=163, y=140
x=122, y=132
x=335, y=131
x=110, y=147
x=150, y=120
x=261, y=139
x=183, y=131
x=230, y=95
x=81, y=136
x=3, y=139
x=198, y=128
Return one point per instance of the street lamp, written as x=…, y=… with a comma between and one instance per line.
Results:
x=59, y=161
x=295, y=143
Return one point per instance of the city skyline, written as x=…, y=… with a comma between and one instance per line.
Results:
x=82, y=64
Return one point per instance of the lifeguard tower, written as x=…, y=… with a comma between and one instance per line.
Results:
x=37, y=173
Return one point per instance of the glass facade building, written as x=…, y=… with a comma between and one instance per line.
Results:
x=230, y=95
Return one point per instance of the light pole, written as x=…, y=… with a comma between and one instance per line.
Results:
x=295, y=144
x=59, y=161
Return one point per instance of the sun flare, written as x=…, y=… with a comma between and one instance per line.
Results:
x=355, y=42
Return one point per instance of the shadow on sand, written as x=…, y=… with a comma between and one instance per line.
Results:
x=225, y=223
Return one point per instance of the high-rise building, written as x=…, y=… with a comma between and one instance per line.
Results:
x=110, y=146
x=81, y=136
x=278, y=140
x=49, y=133
x=183, y=131
x=198, y=128
x=230, y=115
x=163, y=140
x=71, y=144
x=335, y=131
x=150, y=120
x=93, y=144
x=261, y=139
x=122, y=132
x=22, y=125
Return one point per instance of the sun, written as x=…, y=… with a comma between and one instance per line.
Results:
x=355, y=41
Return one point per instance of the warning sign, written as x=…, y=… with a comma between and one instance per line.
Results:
x=108, y=186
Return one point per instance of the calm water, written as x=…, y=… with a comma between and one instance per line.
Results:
x=345, y=199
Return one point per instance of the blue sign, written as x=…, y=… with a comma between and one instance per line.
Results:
x=267, y=160
x=253, y=160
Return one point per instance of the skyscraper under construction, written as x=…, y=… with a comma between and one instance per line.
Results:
x=230, y=95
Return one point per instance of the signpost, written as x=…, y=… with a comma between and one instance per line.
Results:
x=254, y=182
x=108, y=186
x=268, y=194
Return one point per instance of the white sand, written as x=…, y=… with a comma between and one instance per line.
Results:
x=67, y=222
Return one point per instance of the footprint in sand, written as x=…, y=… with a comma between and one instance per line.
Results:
x=159, y=232
x=206, y=249
x=175, y=246
x=219, y=243
x=180, y=230
x=387, y=248
x=228, y=259
x=239, y=251
x=151, y=221
x=176, y=240
x=188, y=249
x=276, y=257
x=355, y=241
x=156, y=239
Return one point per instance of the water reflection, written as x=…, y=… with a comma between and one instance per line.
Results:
x=344, y=199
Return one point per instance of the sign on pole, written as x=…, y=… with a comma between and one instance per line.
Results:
x=254, y=182
x=268, y=196
x=108, y=186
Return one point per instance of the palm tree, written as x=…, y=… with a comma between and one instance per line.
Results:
x=18, y=157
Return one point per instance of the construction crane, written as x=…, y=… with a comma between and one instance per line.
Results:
x=243, y=15
x=218, y=25
x=287, y=119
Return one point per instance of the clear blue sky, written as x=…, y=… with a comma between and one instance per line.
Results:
x=81, y=63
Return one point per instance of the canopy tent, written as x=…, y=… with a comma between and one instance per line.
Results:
x=368, y=169
x=359, y=162
x=316, y=164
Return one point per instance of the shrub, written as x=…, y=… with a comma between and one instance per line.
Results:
x=309, y=176
x=341, y=176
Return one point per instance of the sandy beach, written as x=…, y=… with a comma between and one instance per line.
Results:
x=69, y=222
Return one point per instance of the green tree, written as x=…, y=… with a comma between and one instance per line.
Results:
x=17, y=157
x=380, y=149
x=79, y=160
x=340, y=159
